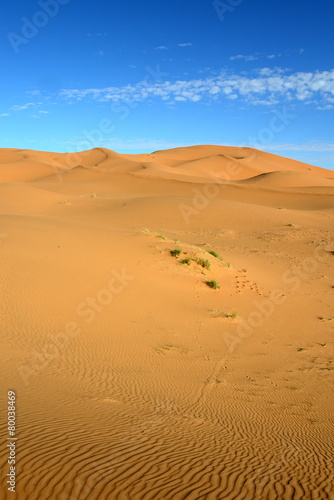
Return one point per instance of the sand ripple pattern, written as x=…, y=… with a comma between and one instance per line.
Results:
x=171, y=452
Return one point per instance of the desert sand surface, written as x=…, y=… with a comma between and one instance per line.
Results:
x=134, y=378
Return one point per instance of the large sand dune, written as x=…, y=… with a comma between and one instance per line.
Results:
x=136, y=380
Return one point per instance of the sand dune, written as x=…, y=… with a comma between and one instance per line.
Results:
x=207, y=162
x=134, y=378
x=291, y=179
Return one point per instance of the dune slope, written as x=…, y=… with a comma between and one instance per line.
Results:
x=167, y=324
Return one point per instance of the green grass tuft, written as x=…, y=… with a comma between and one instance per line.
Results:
x=176, y=252
x=215, y=254
x=204, y=263
x=213, y=284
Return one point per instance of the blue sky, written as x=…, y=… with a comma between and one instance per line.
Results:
x=137, y=76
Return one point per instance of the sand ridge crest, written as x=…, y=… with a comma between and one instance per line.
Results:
x=167, y=323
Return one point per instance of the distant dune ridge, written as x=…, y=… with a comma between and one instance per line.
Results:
x=191, y=164
x=167, y=324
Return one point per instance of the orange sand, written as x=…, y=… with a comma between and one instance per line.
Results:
x=134, y=379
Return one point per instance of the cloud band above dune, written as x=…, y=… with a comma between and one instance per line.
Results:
x=268, y=86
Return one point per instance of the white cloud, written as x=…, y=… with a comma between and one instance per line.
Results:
x=271, y=71
x=184, y=44
x=267, y=86
x=261, y=55
x=326, y=106
x=244, y=58
x=4, y=114
x=312, y=146
x=148, y=144
x=162, y=47
x=33, y=107
x=119, y=144
x=142, y=144
x=23, y=106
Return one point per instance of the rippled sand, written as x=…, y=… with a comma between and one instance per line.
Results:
x=134, y=378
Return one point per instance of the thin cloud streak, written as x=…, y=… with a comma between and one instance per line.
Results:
x=314, y=147
x=269, y=86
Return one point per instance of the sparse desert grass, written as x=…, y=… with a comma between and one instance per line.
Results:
x=212, y=284
x=227, y=264
x=204, y=263
x=176, y=240
x=162, y=236
x=309, y=403
x=174, y=347
x=185, y=261
x=175, y=253
x=232, y=315
x=314, y=420
x=215, y=254
x=167, y=347
x=299, y=349
x=93, y=195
